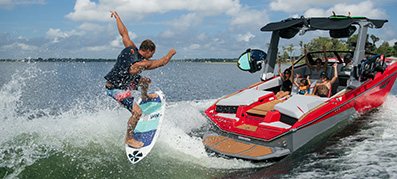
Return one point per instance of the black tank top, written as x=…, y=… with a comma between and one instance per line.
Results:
x=119, y=76
x=286, y=85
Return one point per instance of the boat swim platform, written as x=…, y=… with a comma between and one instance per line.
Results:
x=232, y=147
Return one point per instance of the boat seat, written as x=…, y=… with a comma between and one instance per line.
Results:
x=261, y=110
x=297, y=105
x=245, y=97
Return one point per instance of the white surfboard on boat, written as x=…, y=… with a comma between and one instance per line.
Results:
x=148, y=127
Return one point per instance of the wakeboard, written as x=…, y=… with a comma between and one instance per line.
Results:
x=148, y=127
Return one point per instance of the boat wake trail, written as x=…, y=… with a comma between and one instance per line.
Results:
x=366, y=150
x=181, y=137
x=85, y=137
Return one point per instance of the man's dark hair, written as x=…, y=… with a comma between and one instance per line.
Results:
x=147, y=45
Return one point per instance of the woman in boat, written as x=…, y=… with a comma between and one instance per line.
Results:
x=287, y=78
x=304, y=85
x=318, y=69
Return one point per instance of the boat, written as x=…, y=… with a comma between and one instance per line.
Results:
x=254, y=124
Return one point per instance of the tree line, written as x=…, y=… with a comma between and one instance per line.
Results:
x=288, y=52
x=333, y=44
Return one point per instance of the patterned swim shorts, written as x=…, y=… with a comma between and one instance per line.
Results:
x=123, y=96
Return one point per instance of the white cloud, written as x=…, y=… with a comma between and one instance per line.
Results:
x=365, y=8
x=117, y=42
x=96, y=48
x=9, y=4
x=245, y=37
x=21, y=46
x=202, y=36
x=185, y=22
x=87, y=10
x=168, y=34
x=246, y=17
x=57, y=34
x=300, y=5
x=90, y=27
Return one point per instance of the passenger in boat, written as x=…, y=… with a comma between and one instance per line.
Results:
x=287, y=78
x=348, y=65
x=304, y=85
x=318, y=69
x=323, y=87
x=345, y=71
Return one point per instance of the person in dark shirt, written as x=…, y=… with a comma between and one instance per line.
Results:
x=287, y=78
x=125, y=76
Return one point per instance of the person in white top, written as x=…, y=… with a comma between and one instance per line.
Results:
x=318, y=69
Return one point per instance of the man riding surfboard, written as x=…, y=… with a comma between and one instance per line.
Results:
x=125, y=76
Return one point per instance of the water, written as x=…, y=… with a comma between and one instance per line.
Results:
x=57, y=122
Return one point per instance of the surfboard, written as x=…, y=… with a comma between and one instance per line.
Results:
x=148, y=127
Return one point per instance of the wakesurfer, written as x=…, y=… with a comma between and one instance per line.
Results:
x=125, y=76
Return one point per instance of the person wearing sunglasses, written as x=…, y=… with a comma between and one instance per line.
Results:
x=318, y=68
x=287, y=78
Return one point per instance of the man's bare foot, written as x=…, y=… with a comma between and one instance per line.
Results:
x=150, y=96
x=133, y=143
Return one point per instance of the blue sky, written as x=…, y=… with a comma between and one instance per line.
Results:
x=195, y=28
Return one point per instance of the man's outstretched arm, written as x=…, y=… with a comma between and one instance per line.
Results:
x=158, y=63
x=123, y=30
x=149, y=65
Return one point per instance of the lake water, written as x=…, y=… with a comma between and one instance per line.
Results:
x=57, y=122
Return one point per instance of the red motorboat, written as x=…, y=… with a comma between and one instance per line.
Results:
x=254, y=124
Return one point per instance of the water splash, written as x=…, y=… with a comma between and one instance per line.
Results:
x=87, y=137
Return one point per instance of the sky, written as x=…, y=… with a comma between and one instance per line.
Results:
x=194, y=28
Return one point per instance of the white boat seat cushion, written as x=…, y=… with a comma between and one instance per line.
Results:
x=297, y=105
x=246, y=97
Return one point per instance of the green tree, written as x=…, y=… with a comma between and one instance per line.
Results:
x=317, y=44
x=386, y=49
x=351, y=42
x=284, y=56
x=395, y=46
x=290, y=49
x=374, y=39
x=302, y=47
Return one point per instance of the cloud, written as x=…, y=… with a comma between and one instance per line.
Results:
x=192, y=47
x=245, y=37
x=246, y=17
x=86, y=10
x=314, y=8
x=185, y=22
x=118, y=42
x=197, y=10
x=86, y=26
x=10, y=4
x=365, y=8
x=290, y=6
x=57, y=34
x=21, y=46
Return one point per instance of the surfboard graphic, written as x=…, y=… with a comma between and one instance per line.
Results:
x=147, y=129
